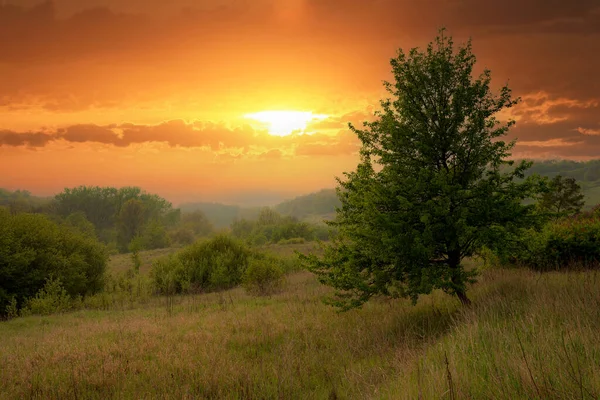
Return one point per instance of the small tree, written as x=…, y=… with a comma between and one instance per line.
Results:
x=135, y=246
x=563, y=197
x=429, y=189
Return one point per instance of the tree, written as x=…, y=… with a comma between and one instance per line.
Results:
x=130, y=222
x=563, y=197
x=34, y=249
x=197, y=222
x=428, y=190
x=80, y=223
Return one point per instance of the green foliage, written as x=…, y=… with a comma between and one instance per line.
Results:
x=563, y=197
x=571, y=242
x=12, y=309
x=79, y=222
x=22, y=201
x=135, y=246
x=272, y=227
x=51, y=299
x=130, y=223
x=197, y=222
x=263, y=276
x=34, y=249
x=118, y=215
x=212, y=264
x=429, y=190
x=155, y=236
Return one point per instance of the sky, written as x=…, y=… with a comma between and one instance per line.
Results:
x=185, y=98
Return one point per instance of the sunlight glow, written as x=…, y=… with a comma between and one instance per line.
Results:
x=283, y=123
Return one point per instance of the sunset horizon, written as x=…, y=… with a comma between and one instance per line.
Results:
x=222, y=100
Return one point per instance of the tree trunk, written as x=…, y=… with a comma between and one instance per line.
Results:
x=459, y=285
x=462, y=296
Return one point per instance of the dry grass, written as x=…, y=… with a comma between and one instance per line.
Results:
x=527, y=336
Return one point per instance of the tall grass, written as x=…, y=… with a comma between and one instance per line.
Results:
x=526, y=336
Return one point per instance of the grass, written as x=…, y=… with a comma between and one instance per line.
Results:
x=526, y=336
x=119, y=263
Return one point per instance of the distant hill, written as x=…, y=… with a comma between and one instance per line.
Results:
x=221, y=215
x=313, y=207
x=320, y=204
x=587, y=174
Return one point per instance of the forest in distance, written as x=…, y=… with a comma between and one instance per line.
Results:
x=320, y=205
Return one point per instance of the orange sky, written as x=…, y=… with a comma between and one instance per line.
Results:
x=154, y=93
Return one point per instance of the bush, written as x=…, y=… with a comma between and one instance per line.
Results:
x=34, y=249
x=270, y=227
x=51, y=299
x=567, y=243
x=213, y=264
x=263, y=277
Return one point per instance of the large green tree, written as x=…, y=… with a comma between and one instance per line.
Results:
x=429, y=189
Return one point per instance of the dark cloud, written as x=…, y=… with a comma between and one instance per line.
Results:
x=175, y=133
x=31, y=139
x=224, y=141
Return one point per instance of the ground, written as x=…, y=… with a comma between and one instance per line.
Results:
x=527, y=335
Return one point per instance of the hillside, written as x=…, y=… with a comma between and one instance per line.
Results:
x=587, y=174
x=315, y=207
x=320, y=204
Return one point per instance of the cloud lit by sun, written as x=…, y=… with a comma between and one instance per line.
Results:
x=283, y=123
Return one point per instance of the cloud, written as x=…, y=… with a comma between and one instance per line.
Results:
x=104, y=53
x=81, y=58
x=31, y=139
x=589, y=131
x=175, y=133
x=541, y=108
x=229, y=143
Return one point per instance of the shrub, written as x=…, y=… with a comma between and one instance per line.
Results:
x=567, y=243
x=34, y=249
x=271, y=227
x=169, y=275
x=263, y=277
x=213, y=264
x=135, y=246
x=51, y=299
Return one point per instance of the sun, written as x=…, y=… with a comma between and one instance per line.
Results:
x=283, y=123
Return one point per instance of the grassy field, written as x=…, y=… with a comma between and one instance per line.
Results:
x=120, y=263
x=526, y=336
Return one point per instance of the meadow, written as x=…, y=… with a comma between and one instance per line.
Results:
x=527, y=335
